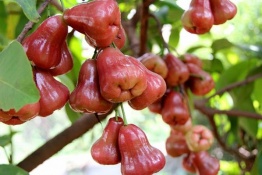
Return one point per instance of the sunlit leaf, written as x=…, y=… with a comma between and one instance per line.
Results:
x=5, y=140
x=29, y=8
x=17, y=86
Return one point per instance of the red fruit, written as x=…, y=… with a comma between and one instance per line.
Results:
x=156, y=88
x=43, y=46
x=53, y=94
x=205, y=164
x=120, y=39
x=154, y=63
x=105, y=150
x=121, y=77
x=175, y=110
x=176, y=144
x=198, y=19
x=200, y=82
x=177, y=71
x=138, y=157
x=190, y=58
x=156, y=107
x=66, y=62
x=86, y=96
x=199, y=138
x=24, y=114
x=98, y=20
x=187, y=163
x=184, y=128
x=222, y=10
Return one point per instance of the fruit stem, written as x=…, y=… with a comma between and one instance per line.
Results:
x=114, y=45
x=123, y=113
x=94, y=54
x=116, y=113
x=62, y=4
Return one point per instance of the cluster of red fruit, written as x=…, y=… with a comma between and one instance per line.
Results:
x=203, y=14
x=128, y=145
x=181, y=76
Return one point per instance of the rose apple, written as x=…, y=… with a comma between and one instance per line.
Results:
x=121, y=77
x=43, y=46
x=138, y=157
x=53, y=94
x=105, y=150
x=177, y=71
x=154, y=63
x=98, y=20
x=198, y=19
x=86, y=96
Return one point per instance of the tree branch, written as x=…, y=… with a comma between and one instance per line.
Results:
x=30, y=24
x=51, y=147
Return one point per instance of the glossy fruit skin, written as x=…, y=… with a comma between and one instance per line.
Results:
x=43, y=46
x=154, y=63
x=66, y=62
x=198, y=19
x=191, y=58
x=53, y=94
x=184, y=128
x=204, y=163
x=100, y=27
x=121, y=77
x=200, y=82
x=223, y=10
x=175, y=110
x=176, y=144
x=199, y=138
x=105, y=150
x=138, y=157
x=156, y=88
x=120, y=39
x=24, y=114
x=177, y=71
x=86, y=96
x=187, y=163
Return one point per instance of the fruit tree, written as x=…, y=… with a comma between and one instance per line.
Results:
x=193, y=66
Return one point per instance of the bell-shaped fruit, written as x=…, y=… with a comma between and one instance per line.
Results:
x=175, y=110
x=24, y=114
x=121, y=77
x=200, y=82
x=176, y=144
x=86, y=96
x=120, y=39
x=191, y=58
x=154, y=63
x=205, y=164
x=138, y=157
x=222, y=10
x=43, y=46
x=156, y=107
x=105, y=150
x=66, y=62
x=187, y=163
x=156, y=88
x=199, y=138
x=98, y=20
x=177, y=71
x=198, y=19
x=53, y=94
x=184, y=128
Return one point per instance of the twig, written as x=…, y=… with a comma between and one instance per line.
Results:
x=51, y=147
x=249, y=79
x=30, y=24
x=56, y=4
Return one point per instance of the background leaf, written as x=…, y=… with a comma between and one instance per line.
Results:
x=12, y=170
x=29, y=8
x=17, y=86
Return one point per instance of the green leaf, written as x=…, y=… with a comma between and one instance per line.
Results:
x=29, y=9
x=5, y=140
x=257, y=168
x=72, y=115
x=17, y=86
x=12, y=170
x=221, y=44
x=3, y=16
